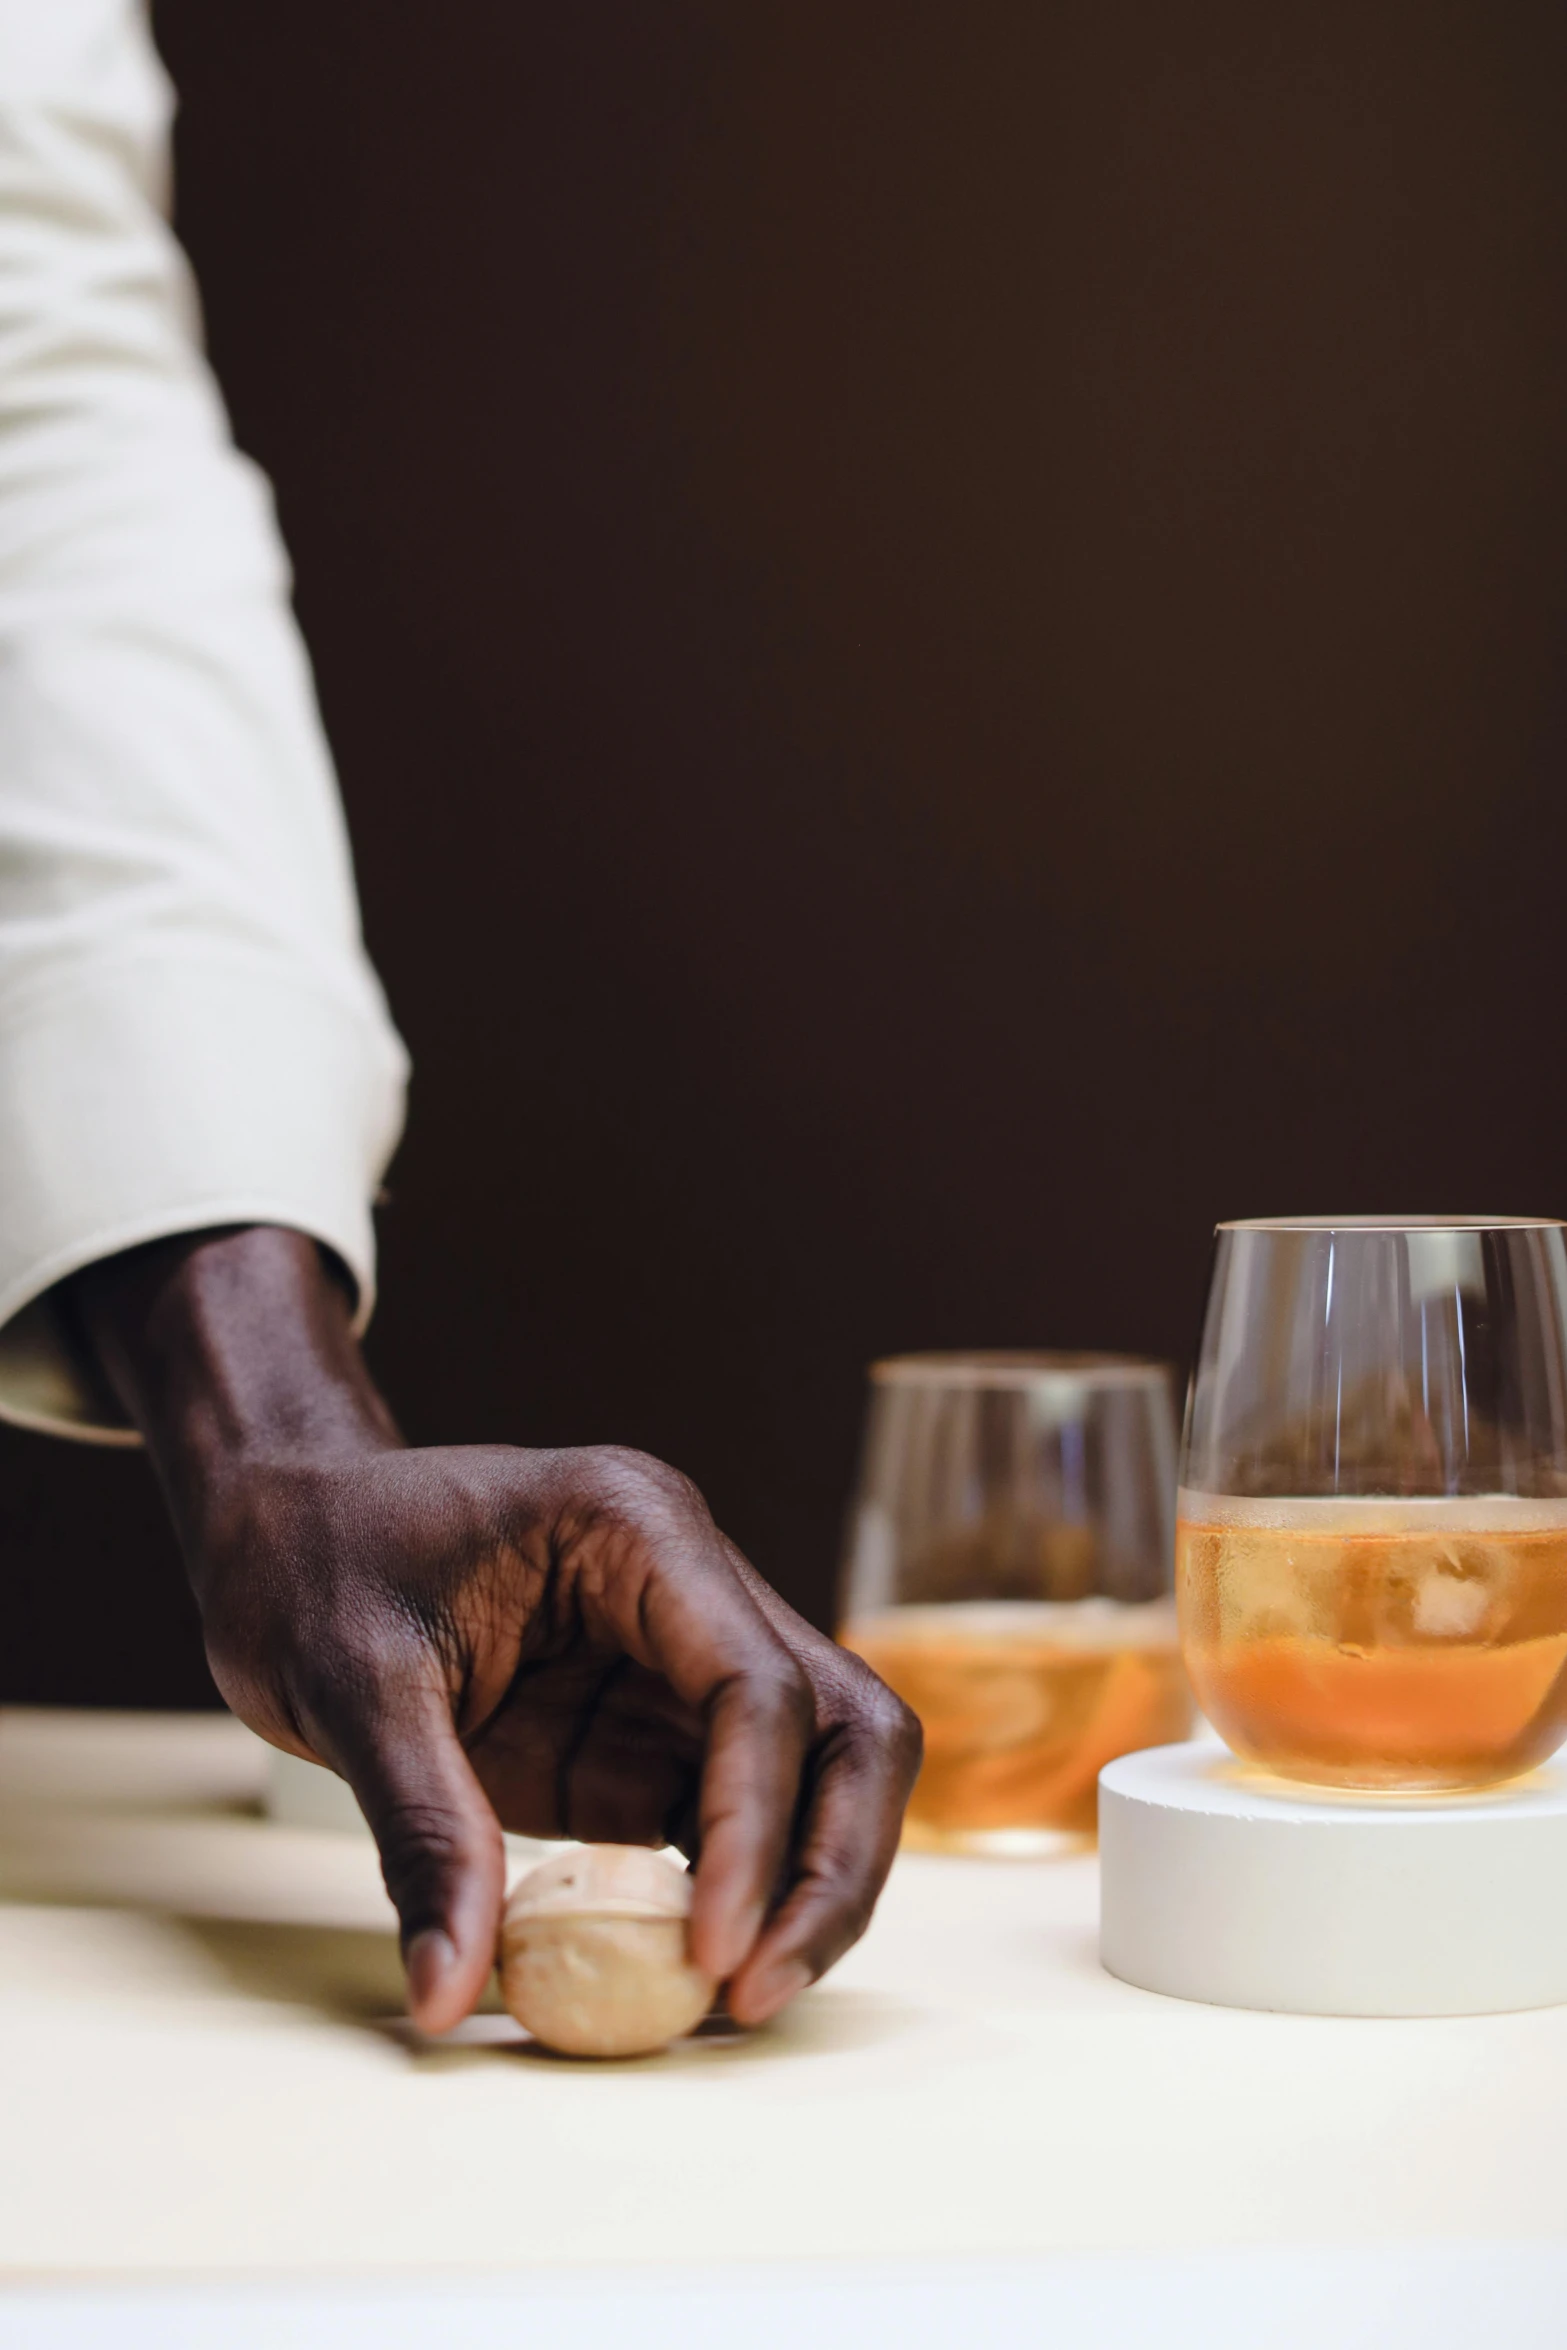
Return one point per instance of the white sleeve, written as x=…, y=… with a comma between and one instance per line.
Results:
x=190, y=1033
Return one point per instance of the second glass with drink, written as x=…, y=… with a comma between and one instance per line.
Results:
x=1008, y=1573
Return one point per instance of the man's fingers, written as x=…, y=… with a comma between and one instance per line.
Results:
x=864, y=1773
x=680, y=1612
x=667, y=1590
x=759, y=1733
x=440, y=1844
x=848, y=1839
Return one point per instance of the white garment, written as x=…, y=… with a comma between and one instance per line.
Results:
x=190, y=1033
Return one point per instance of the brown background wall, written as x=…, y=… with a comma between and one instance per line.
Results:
x=944, y=629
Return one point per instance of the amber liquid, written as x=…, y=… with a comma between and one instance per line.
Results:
x=1022, y=1702
x=1394, y=1644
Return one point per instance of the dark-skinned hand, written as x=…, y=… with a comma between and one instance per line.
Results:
x=561, y=1643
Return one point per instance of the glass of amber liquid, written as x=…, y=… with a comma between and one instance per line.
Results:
x=1008, y=1572
x=1371, y=1548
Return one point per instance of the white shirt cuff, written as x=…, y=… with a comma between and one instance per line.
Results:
x=168, y=1093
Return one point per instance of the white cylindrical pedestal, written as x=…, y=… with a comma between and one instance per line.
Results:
x=1226, y=1886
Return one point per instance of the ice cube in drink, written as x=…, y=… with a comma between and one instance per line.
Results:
x=1392, y=1644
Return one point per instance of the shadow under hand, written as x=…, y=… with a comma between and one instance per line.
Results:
x=242, y=1894
x=349, y=1974
x=821, y=2022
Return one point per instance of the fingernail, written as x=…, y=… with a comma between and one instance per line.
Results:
x=777, y=1987
x=429, y=1958
x=723, y=1951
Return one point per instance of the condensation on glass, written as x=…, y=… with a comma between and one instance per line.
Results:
x=1008, y=1572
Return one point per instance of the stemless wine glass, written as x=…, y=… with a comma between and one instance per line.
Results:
x=1008, y=1573
x=1372, y=1538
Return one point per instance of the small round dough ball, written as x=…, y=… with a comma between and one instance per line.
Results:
x=593, y=1957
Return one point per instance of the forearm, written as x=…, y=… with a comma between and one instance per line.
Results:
x=233, y=1353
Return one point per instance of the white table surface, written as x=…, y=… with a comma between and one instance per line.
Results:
x=208, y=2091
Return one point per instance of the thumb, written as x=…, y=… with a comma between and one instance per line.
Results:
x=440, y=1846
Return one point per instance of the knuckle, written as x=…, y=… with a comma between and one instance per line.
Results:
x=639, y=1481
x=879, y=1718
x=421, y=1848
x=411, y=1829
x=774, y=1691
x=898, y=1727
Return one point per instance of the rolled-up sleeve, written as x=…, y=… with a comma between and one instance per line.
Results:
x=190, y=1033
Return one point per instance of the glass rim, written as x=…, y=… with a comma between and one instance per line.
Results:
x=1000, y=1367
x=1390, y=1224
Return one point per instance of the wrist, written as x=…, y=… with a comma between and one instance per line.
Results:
x=234, y=1354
